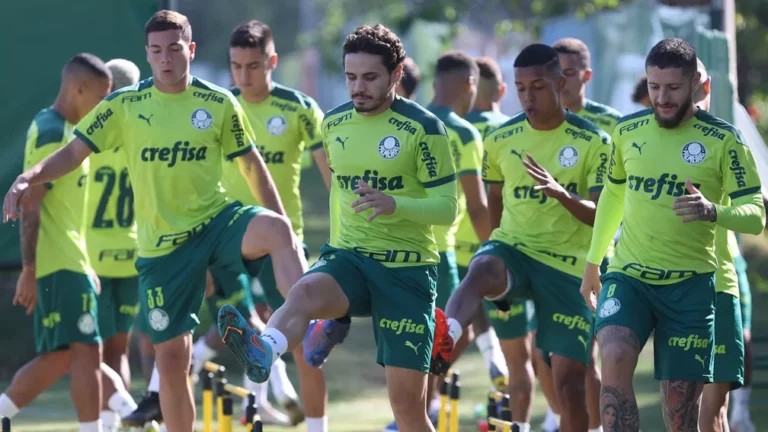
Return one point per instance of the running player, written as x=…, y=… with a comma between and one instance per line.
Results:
x=174, y=130
x=394, y=178
x=410, y=81
x=669, y=165
x=56, y=282
x=542, y=229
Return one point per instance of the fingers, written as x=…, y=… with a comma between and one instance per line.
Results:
x=17, y=298
x=366, y=206
x=362, y=200
x=693, y=218
x=687, y=211
x=364, y=188
x=689, y=186
x=376, y=212
x=532, y=161
x=31, y=306
x=586, y=292
x=10, y=206
x=686, y=199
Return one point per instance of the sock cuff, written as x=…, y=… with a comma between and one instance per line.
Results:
x=7, y=407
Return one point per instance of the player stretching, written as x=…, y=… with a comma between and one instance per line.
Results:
x=538, y=165
x=56, y=281
x=174, y=129
x=395, y=179
x=410, y=80
x=669, y=165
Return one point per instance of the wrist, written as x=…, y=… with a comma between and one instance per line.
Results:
x=28, y=267
x=562, y=194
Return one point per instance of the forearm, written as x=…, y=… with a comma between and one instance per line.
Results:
x=582, y=209
x=495, y=209
x=322, y=164
x=438, y=208
x=608, y=216
x=745, y=215
x=29, y=230
x=481, y=222
x=58, y=164
x=263, y=188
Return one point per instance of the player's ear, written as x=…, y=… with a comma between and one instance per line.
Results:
x=502, y=90
x=471, y=81
x=560, y=83
x=707, y=86
x=192, y=47
x=587, y=75
x=273, y=61
x=398, y=73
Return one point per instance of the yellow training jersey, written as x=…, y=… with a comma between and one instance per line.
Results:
x=173, y=145
x=601, y=115
x=467, y=151
x=401, y=152
x=726, y=248
x=654, y=162
x=61, y=239
x=486, y=121
x=576, y=155
x=285, y=123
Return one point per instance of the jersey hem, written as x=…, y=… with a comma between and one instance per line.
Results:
x=316, y=146
x=440, y=182
x=493, y=181
x=240, y=152
x=87, y=141
x=594, y=189
x=616, y=181
x=468, y=172
x=745, y=192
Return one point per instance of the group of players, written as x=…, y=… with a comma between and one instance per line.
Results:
x=414, y=231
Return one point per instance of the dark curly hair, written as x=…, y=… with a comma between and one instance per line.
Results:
x=376, y=40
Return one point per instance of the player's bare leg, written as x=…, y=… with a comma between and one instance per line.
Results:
x=714, y=407
x=680, y=404
x=147, y=355
x=312, y=386
x=173, y=359
x=544, y=375
x=85, y=384
x=116, y=356
x=407, y=390
x=593, y=388
x=619, y=351
x=569, y=376
x=518, y=354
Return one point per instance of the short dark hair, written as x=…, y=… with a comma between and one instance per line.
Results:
x=573, y=46
x=456, y=61
x=169, y=20
x=253, y=34
x=539, y=55
x=411, y=76
x=376, y=40
x=87, y=63
x=641, y=90
x=673, y=53
x=489, y=69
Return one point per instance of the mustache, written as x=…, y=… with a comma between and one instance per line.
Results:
x=362, y=95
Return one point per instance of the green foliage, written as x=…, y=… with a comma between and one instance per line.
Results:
x=751, y=40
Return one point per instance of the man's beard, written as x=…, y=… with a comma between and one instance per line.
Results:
x=377, y=102
x=671, y=123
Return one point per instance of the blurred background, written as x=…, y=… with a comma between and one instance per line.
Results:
x=730, y=36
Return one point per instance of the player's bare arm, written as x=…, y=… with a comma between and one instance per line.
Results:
x=58, y=164
x=263, y=188
x=322, y=163
x=477, y=205
x=26, y=286
x=582, y=209
x=495, y=204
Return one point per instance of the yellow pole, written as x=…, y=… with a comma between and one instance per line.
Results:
x=225, y=424
x=442, y=415
x=220, y=391
x=455, y=393
x=492, y=411
x=207, y=402
x=250, y=412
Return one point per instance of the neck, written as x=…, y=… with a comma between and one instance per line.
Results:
x=178, y=87
x=385, y=106
x=441, y=100
x=552, y=122
x=66, y=108
x=484, y=106
x=692, y=110
x=578, y=104
x=258, y=96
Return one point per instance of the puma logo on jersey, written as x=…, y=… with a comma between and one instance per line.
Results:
x=342, y=142
x=518, y=154
x=666, y=184
x=146, y=119
x=412, y=346
x=638, y=147
x=700, y=360
x=99, y=121
x=180, y=152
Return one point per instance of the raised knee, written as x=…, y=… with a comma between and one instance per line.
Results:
x=490, y=270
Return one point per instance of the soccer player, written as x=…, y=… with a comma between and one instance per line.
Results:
x=394, y=178
x=640, y=95
x=670, y=168
x=174, y=129
x=410, y=81
x=542, y=229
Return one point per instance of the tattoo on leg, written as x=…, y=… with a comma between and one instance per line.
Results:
x=680, y=404
x=618, y=410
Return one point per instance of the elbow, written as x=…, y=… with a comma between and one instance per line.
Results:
x=451, y=210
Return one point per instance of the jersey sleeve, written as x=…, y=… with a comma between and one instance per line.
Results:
x=100, y=129
x=471, y=160
x=616, y=172
x=740, y=177
x=433, y=160
x=599, y=163
x=41, y=143
x=491, y=169
x=312, y=123
x=237, y=137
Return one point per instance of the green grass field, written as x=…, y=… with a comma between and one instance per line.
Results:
x=358, y=398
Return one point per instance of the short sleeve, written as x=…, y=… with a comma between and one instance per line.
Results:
x=491, y=169
x=471, y=160
x=599, y=163
x=100, y=129
x=434, y=160
x=312, y=123
x=616, y=173
x=237, y=137
x=740, y=177
x=41, y=143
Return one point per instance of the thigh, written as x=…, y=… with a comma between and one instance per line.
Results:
x=108, y=308
x=271, y=294
x=348, y=270
x=126, y=295
x=624, y=302
x=230, y=288
x=518, y=272
x=565, y=322
x=403, y=308
x=171, y=291
x=225, y=232
x=729, y=341
x=447, y=278
x=66, y=312
x=685, y=329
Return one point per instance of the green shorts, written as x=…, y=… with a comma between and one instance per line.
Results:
x=729, y=341
x=230, y=288
x=682, y=315
x=401, y=301
x=66, y=311
x=447, y=278
x=118, y=305
x=172, y=286
x=563, y=318
x=745, y=293
x=269, y=293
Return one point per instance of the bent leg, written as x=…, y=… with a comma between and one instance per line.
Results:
x=593, y=388
x=619, y=351
x=407, y=390
x=36, y=376
x=569, y=377
x=85, y=384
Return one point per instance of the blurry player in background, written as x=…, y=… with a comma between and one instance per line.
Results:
x=640, y=95
x=410, y=80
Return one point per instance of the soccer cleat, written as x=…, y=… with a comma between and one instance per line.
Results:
x=294, y=410
x=442, y=346
x=248, y=347
x=269, y=416
x=147, y=411
x=321, y=337
x=498, y=379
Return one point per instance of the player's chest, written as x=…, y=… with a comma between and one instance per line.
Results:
x=277, y=133
x=357, y=148
x=565, y=158
x=159, y=124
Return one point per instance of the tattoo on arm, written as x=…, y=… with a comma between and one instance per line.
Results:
x=30, y=227
x=618, y=410
x=680, y=404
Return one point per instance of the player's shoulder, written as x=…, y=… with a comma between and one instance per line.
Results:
x=50, y=128
x=210, y=92
x=599, y=109
x=292, y=95
x=459, y=126
x=514, y=123
x=338, y=112
x=475, y=117
x=429, y=122
x=717, y=127
x=632, y=124
x=129, y=93
x=578, y=125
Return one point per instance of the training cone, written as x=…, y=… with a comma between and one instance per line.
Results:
x=482, y=426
